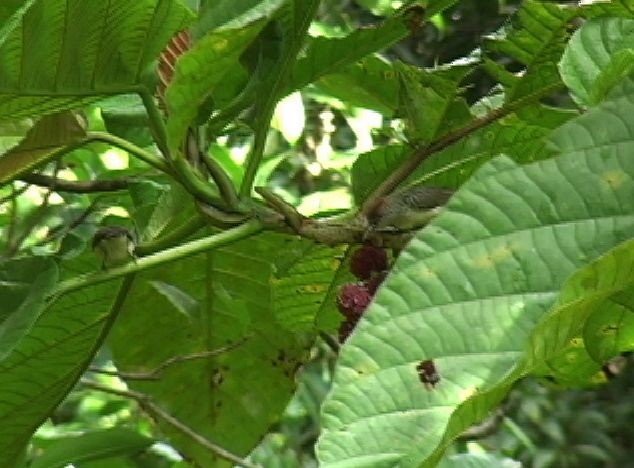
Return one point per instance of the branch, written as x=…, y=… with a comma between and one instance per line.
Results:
x=222, y=180
x=15, y=193
x=157, y=124
x=157, y=372
x=183, y=231
x=146, y=156
x=146, y=403
x=405, y=169
x=191, y=248
x=61, y=185
x=61, y=229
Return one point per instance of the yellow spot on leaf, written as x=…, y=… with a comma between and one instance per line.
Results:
x=467, y=393
x=614, y=178
x=499, y=255
x=598, y=378
x=313, y=288
x=427, y=273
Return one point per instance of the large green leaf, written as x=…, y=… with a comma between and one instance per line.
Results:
x=64, y=53
x=48, y=360
x=598, y=56
x=468, y=291
x=258, y=290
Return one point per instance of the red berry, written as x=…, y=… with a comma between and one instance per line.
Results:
x=353, y=299
x=368, y=260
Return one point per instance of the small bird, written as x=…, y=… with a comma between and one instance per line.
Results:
x=115, y=245
x=409, y=209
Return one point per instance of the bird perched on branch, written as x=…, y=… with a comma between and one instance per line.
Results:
x=115, y=245
x=409, y=209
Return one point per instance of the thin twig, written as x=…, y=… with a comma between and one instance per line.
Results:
x=332, y=343
x=222, y=180
x=73, y=186
x=14, y=194
x=64, y=228
x=146, y=403
x=409, y=165
x=14, y=246
x=172, y=238
x=157, y=372
x=191, y=248
x=150, y=158
x=288, y=211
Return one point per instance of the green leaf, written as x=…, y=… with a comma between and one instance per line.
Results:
x=198, y=72
x=330, y=55
x=11, y=12
x=536, y=39
x=302, y=284
x=63, y=54
x=44, y=142
x=92, y=445
x=24, y=285
x=427, y=98
x=621, y=8
x=48, y=360
x=371, y=168
x=610, y=331
x=519, y=138
x=231, y=398
x=598, y=56
x=125, y=116
x=233, y=14
x=514, y=137
x=371, y=83
x=596, y=294
x=469, y=290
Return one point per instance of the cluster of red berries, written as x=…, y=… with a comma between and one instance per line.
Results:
x=369, y=264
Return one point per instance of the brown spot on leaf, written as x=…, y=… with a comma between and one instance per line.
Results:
x=428, y=374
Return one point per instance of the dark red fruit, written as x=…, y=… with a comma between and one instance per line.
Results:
x=353, y=299
x=368, y=260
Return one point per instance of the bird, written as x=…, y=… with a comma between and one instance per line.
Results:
x=115, y=245
x=409, y=209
